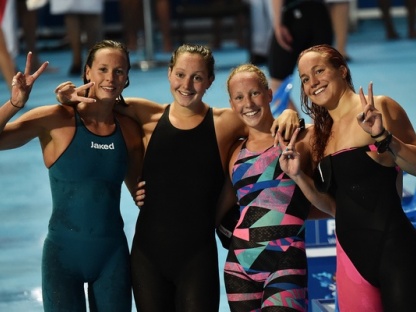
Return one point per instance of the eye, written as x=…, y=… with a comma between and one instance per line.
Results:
x=197, y=78
x=256, y=93
x=179, y=75
x=320, y=71
x=119, y=72
x=103, y=69
x=304, y=80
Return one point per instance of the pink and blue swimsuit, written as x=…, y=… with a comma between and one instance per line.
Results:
x=266, y=263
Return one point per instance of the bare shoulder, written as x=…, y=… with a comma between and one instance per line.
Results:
x=227, y=120
x=220, y=111
x=225, y=114
x=390, y=108
x=142, y=110
x=386, y=104
x=56, y=111
x=145, y=104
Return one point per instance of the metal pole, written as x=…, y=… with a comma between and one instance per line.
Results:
x=149, y=61
x=148, y=27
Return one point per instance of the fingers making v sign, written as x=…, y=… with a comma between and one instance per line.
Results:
x=370, y=119
x=289, y=159
x=22, y=83
x=68, y=93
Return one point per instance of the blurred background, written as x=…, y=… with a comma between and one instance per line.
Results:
x=379, y=47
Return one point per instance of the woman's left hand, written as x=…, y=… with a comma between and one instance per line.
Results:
x=370, y=119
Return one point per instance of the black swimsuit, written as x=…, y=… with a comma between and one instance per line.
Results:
x=371, y=226
x=174, y=253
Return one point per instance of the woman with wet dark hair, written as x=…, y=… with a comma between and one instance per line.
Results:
x=89, y=150
x=362, y=142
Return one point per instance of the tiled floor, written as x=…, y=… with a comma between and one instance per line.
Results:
x=25, y=203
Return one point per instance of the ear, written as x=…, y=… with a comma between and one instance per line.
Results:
x=211, y=80
x=87, y=73
x=344, y=71
x=231, y=104
x=270, y=95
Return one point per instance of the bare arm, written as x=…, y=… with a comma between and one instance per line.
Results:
x=134, y=143
x=226, y=200
x=290, y=163
x=141, y=110
x=381, y=113
x=228, y=196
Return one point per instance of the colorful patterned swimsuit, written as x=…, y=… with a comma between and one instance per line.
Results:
x=266, y=264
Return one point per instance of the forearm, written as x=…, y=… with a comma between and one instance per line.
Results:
x=277, y=13
x=7, y=111
x=404, y=155
x=322, y=201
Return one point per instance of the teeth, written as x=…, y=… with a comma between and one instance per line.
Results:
x=251, y=113
x=318, y=91
x=185, y=93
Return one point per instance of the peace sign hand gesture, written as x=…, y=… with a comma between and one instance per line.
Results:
x=289, y=160
x=22, y=83
x=371, y=120
x=68, y=94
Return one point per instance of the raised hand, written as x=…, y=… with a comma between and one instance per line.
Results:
x=289, y=160
x=22, y=83
x=68, y=94
x=370, y=119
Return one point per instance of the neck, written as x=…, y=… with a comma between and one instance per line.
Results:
x=344, y=106
x=188, y=111
x=96, y=113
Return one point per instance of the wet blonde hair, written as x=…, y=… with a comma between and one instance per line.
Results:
x=249, y=68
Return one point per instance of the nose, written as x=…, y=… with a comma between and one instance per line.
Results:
x=109, y=76
x=314, y=80
x=248, y=101
x=188, y=81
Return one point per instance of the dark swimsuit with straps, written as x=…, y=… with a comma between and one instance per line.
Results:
x=174, y=253
x=371, y=225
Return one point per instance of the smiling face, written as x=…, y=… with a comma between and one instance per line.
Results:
x=109, y=71
x=189, y=79
x=250, y=98
x=321, y=82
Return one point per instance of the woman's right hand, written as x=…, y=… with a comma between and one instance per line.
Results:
x=289, y=160
x=140, y=194
x=22, y=83
x=68, y=94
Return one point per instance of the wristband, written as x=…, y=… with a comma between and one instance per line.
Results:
x=384, y=145
x=14, y=105
x=379, y=135
x=301, y=124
